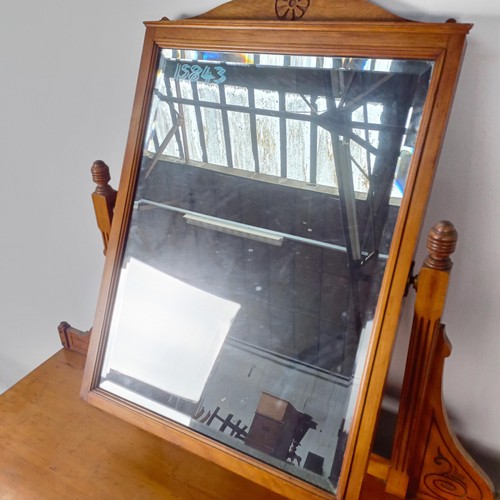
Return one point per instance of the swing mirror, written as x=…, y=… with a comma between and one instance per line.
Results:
x=270, y=202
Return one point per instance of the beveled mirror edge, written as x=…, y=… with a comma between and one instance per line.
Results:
x=450, y=46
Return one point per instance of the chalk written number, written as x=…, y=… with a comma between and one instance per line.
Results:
x=195, y=72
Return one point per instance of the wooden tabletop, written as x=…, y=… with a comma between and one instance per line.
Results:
x=55, y=446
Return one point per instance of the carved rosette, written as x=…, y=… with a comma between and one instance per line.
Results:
x=291, y=10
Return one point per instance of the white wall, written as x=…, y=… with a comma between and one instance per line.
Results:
x=466, y=191
x=67, y=78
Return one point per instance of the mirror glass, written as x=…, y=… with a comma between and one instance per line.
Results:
x=265, y=204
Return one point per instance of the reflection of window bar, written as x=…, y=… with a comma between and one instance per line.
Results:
x=225, y=127
x=283, y=136
x=253, y=128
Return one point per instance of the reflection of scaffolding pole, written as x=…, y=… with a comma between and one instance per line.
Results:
x=347, y=199
x=342, y=161
x=173, y=113
x=162, y=147
x=346, y=188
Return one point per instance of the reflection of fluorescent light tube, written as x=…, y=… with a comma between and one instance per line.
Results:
x=234, y=228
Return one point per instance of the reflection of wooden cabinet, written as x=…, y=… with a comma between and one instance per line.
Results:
x=273, y=426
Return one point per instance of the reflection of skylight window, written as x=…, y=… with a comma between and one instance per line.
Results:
x=265, y=114
x=208, y=92
x=237, y=95
x=266, y=99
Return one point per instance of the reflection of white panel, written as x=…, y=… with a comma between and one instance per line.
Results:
x=147, y=403
x=166, y=333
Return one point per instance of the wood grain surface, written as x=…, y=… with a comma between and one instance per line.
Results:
x=55, y=446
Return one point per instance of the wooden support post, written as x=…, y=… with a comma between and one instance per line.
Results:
x=427, y=461
x=104, y=198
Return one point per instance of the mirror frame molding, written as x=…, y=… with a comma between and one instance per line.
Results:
x=353, y=28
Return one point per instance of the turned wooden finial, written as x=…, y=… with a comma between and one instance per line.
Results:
x=101, y=176
x=441, y=243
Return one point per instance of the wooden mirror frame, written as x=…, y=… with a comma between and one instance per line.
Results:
x=353, y=28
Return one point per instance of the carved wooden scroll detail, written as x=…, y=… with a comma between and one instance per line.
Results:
x=448, y=480
x=291, y=10
x=446, y=471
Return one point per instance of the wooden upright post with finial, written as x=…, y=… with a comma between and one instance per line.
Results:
x=104, y=198
x=427, y=460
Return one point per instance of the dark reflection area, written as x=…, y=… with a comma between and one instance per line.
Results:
x=298, y=299
x=269, y=188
